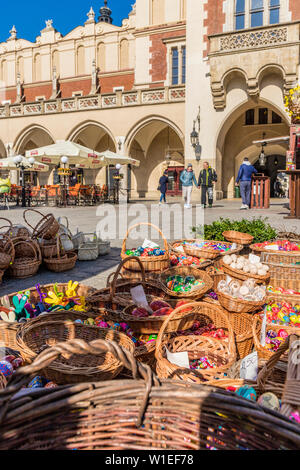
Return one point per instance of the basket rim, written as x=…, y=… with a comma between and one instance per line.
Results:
x=201, y=290
x=251, y=303
x=242, y=273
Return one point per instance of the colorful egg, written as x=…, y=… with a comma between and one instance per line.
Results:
x=6, y=368
x=37, y=382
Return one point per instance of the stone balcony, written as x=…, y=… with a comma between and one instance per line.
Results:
x=251, y=53
x=104, y=101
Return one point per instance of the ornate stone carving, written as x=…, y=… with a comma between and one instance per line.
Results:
x=13, y=34
x=252, y=39
x=49, y=24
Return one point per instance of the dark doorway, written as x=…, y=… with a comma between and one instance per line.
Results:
x=273, y=165
x=175, y=185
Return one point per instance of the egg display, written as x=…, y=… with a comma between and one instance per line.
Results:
x=183, y=260
x=247, y=290
x=145, y=252
x=242, y=263
x=183, y=283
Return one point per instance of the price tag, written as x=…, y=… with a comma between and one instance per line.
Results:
x=180, y=359
x=249, y=367
x=254, y=259
x=139, y=298
x=233, y=246
x=149, y=244
x=263, y=330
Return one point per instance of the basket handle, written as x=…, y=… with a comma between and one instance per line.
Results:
x=178, y=311
x=118, y=271
x=148, y=225
x=58, y=247
x=31, y=210
x=6, y=242
x=108, y=281
x=66, y=219
x=79, y=346
x=266, y=371
x=34, y=246
x=9, y=225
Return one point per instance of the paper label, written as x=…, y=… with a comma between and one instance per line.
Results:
x=263, y=330
x=249, y=367
x=149, y=244
x=139, y=298
x=254, y=259
x=233, y=246
x=180, y=359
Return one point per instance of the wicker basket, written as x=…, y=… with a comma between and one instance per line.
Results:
x=61, y=263
x=285, y=275
x=88, y=250
x=117, y=296
x=47, y=227
x=208, y=253
x=153, y=324
x=7, y=252
x=23, y=250
x=262, y=352
x=33, y=338
x=221, y=351
x=150, y=263
x=8, y=333
x=153, y=415
x=24, y=267
x=239, y=305
x=216, y=275
x=50, y=248
x=186, y=271
x=269, y=256
x=238, y=274
x=6, y=229
x=238, y=237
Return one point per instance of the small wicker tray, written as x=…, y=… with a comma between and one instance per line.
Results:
x=238, y=305
x=209, y=253
x=187, y=271
x=238, y=237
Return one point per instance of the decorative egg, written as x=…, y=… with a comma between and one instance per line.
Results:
x=247, y=392
x=37, y=382
x=269, y=400
x=6, y=368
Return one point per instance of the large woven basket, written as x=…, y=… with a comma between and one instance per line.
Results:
x=134, y=414
x=186, y=271
x=24, y=267
x=33, y=338
x=62, y=262
x=270, y=256
x=239, y=305
x=208, y=253
x=8, y=333
x=262, y=352
x=50, y=248
x=153, y=324
x=221, y=351
x=284, y=275
x=7, y=252
x=238, y=274
x=150, y=263
x=238, y=237
x=117, y=295
x=47, y=227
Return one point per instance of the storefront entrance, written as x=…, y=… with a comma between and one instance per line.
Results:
x=175, y=185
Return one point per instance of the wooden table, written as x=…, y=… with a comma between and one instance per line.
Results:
x=294, y=194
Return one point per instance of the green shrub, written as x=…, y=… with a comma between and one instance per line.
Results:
x=259, y=228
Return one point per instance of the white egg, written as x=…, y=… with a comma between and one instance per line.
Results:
x=239, y=266
x=253, y=270
x=261, y=272
x=227, y=259
x=234, y=257
x=246, y=268
x=233, y=265
x=244, y=291
x=267, y=268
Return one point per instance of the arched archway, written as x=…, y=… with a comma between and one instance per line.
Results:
x=150, y=141
x=247, y=123
x=30, y=138
x=97, y=137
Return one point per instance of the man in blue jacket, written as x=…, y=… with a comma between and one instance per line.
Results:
x=187, y=179
x=244, y=180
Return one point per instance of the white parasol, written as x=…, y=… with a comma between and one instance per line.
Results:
x=52, y=154
x=107, y=158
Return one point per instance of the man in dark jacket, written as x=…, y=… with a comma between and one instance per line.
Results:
x=163, y=187
x=207, y=178
x=244, y=180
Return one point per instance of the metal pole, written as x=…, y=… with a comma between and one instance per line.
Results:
x=23, y=186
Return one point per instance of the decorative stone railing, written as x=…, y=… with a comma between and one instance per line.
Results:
x=115, y=100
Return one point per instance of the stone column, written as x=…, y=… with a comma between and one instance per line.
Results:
x=14, y=174
x=123, y=171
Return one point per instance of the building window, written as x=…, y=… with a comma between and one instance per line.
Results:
x=175, y=66
x=249, y=120
x=183, y=49
x=257, y=13
x=274, y=11
x=80, y=60
x=124, y=54
x=276, y=119
x=240, y=14
x=263, y=116
x=253, y=13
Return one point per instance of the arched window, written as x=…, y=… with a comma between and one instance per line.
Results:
x=20, y=67
x=4, y=72
x=56, y=61
x=80, y=61
x=124, y=54
x=37, y=68
x=101, y=56
x=158, y=11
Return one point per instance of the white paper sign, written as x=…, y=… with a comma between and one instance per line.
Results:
x=254, y=259
x=249, y=367
x=139, y=298
x=263, y=330
x=233, y=246
x=149, y=244
x=180, y=359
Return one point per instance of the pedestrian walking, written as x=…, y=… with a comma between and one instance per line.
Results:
x=244, y=178
x=207, y=178
x=162, y=187
x=187, y=179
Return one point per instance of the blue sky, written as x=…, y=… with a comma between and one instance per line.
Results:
x=29, y=16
